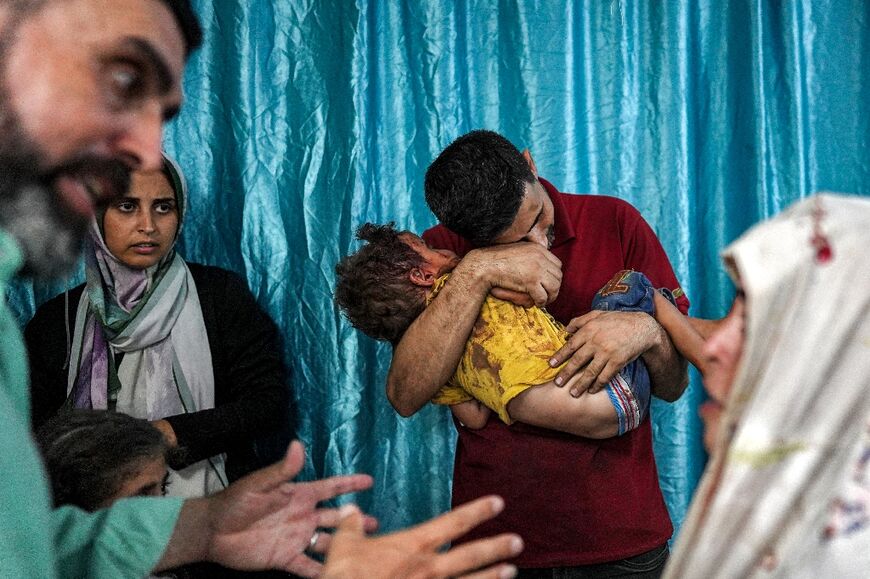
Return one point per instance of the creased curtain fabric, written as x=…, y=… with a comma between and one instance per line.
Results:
x=304, y=119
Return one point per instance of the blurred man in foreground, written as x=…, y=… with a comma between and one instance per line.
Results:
x=85, y=86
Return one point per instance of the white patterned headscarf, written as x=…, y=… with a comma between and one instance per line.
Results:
x=787, y=490
x=153, y=317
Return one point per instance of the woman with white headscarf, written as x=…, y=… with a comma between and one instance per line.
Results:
x=787, y=490
x=182, y=345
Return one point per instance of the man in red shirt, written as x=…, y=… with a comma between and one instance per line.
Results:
x=590, y=505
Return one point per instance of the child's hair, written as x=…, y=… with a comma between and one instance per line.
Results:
x=89, y=454
x=373, y=287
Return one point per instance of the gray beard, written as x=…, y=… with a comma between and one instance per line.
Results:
x=51, y=244
x=50, y=240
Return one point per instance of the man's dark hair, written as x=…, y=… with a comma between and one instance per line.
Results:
x=373, y=288
x=476, y=185
x=89, y=454
x=183, y=12
x=187, y=21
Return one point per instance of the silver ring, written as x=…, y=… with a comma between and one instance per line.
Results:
x=313, y=540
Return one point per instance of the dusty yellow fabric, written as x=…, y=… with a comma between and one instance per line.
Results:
x=507, y=353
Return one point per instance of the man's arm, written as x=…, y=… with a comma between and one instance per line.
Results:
x=430, y=349
x=668, y=370
x=603, y=342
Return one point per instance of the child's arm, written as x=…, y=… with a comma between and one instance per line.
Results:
x=471, y=413
x=687, y=334
x=704, y=327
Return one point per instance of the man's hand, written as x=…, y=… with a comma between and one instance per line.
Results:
x=601, y=344
x=262, y=521
x=517, y=268
x=415, y=553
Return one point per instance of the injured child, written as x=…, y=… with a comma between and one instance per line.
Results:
x=505, y=367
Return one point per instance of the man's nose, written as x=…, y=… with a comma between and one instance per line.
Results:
x=539, y=236
x=140, y=143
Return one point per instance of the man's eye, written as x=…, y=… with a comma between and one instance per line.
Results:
x=125, y=82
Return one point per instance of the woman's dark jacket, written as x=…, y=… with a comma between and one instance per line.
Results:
x=251, y=387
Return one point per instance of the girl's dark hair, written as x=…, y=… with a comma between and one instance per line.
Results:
x=90, y=453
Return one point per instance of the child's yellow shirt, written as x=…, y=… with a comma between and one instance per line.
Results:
x=507, y=353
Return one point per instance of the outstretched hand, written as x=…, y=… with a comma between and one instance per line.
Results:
x=263, y=521
x=415, y=553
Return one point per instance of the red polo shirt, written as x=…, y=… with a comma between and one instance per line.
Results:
x=575, y=501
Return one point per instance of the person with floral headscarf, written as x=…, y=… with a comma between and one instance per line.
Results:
x=180, y=344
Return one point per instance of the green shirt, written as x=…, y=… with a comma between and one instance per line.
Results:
x=37, y=541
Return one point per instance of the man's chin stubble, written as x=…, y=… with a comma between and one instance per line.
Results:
x=50, y=237
x=50, y=240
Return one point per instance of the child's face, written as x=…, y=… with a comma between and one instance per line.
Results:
x=437, y=261
x=148, y=480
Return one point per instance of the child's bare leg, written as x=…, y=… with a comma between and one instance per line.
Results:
x=548, y=406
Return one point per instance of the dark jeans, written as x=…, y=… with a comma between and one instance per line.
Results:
x=649, y=565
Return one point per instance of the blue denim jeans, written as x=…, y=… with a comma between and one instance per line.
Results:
x=630, y=291
x=649, y=565
x=627, y=291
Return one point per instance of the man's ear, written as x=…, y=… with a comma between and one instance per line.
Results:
x=528, y=157
x=420, y=277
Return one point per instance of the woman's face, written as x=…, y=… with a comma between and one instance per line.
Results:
x=140, y=227
x=722, y=351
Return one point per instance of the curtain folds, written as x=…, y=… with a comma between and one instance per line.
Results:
x=304, y=119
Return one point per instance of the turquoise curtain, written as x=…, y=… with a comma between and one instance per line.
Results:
x=304, y=119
